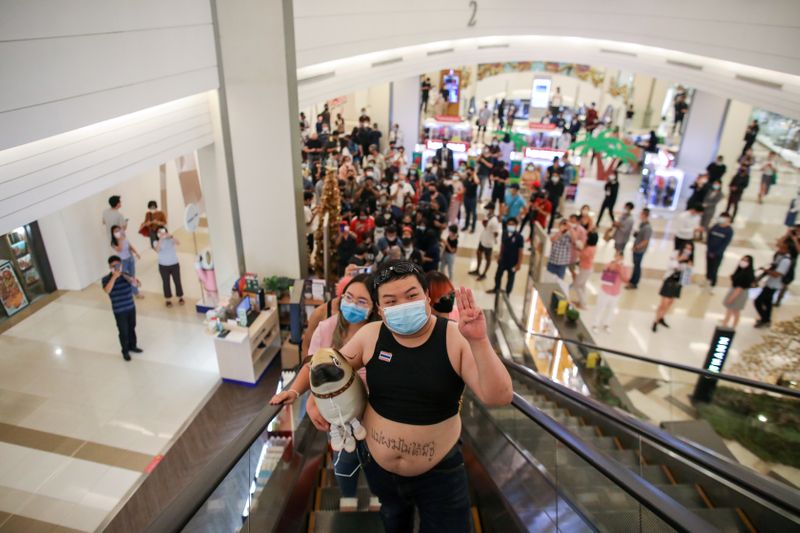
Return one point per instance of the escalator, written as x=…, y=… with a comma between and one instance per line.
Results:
x=554, y=460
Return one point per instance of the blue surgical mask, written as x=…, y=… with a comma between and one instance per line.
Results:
x=353, y=313
x=407, y=318
x=511, y=230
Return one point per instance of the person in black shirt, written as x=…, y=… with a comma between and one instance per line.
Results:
x=375, y=136
x=736, y=187
x=700, y=189
x=367, y=196
x=680, y=112
x=750, y=136
x=326, y=116
x=510, y=259
x=445, y=155
x=716, y=169
x=499, y=176
x=554, y=189
x=313, y=148
x=471, y=183
x=346, y=244
x=610, y=199
x=431, y=252
x=425, y=88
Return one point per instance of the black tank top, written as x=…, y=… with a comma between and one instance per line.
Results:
x=414, y=385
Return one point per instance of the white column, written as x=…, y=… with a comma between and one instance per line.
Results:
x=732, y=139
x=405, y=110
x=258, y=89
x=701, y=135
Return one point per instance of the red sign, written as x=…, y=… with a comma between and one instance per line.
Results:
x=153, y=464
x=447, y=118
x=540, y=126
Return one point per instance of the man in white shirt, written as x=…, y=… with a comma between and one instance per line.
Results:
x=396, y=136
x=113, y=216
x=686, y=225
x=492, y=228
x=484, y=115
x=398, y=192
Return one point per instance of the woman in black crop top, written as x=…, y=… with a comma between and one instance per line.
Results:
x=417, y=366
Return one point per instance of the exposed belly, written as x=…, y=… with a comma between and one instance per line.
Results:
x=409, y=450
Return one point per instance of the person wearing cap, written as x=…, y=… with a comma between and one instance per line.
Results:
x=417, y=366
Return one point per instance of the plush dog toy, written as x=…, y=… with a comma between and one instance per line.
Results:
x=340, y=396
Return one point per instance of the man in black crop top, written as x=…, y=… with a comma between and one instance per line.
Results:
x=416, y=369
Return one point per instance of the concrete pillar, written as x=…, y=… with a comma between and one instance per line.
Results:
x=701, y=136
x=405, y=110
x=642, y=88
x=732, y=140
x=258, y=99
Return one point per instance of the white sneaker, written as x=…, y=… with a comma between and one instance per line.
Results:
x=348, y=505
x=374, y=504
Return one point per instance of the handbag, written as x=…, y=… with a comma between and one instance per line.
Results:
x=609, y=234
x=609, y=277
x=144, y=227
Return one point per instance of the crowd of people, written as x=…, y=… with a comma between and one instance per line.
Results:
x=391, y=209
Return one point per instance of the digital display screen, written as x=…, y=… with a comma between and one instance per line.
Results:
x=540, y=93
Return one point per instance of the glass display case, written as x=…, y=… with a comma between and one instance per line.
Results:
x=23, y=270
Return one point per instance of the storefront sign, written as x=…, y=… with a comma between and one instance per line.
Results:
x=540, y=126
x=454, y=146
x=717, y=354
x=543, y=153
x=448, y=118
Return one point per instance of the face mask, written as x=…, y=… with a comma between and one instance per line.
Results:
x=353, y=313
x=445, y=303
x=743, y=264
x=715, y=187
x=407, y=241
x=116, y=268
x=407, y=318
x=421, y=227
x=152, y=209
x=511, y=230
x=554, y=180
x=118, y=234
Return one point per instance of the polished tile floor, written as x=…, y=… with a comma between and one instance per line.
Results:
x=78, y=425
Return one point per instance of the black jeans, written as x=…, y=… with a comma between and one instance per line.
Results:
x=175, y=271
x=126, y=326
x=712, y=266
x=470, y=208
x=764, y=304
x=607, y=204
x=441, y=495
x=498, y=277
x=554, y=202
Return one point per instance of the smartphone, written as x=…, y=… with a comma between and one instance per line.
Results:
x=342, y=225
x=364, y=270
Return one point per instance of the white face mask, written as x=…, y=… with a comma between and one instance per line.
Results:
x=118, y=234
x=743, y=264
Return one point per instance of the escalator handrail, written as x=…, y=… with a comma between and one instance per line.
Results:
x=189, y=501
x=767, y=489
x=656, y=501
x=776, y=389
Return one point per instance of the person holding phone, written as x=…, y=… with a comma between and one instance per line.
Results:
x=168, y=265
x=119, y=287
x=346, y=244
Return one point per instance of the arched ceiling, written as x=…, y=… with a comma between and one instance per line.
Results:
x=736, y=48
x=768, y=89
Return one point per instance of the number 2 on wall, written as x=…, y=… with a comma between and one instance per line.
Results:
x=474, y=5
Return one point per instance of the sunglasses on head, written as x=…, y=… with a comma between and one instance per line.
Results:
x=389, y=273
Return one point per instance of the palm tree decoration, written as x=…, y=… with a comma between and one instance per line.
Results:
x=604, y=145
x=517, y=138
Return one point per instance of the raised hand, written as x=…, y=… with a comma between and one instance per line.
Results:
x=471, y=322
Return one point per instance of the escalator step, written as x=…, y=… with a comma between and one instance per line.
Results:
x=602, y=443
x=686, y=495
x=652, y=473
x=726, y=520
x=335, y=522
x=330, y=479
x=329, y=500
